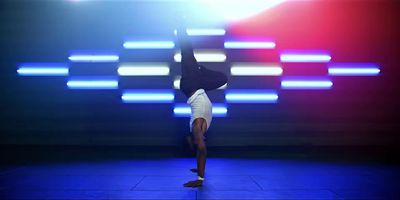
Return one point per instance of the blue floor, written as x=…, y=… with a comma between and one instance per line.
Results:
x=225, y=179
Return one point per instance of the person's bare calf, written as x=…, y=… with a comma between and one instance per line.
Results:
x=199, y=127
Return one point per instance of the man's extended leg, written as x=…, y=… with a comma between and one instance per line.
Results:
x=199, y=129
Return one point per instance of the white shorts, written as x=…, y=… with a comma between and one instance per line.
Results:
x=201, y=107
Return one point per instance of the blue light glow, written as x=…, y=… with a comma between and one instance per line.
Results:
x=149, y=45
x=184, y=110
x=306, y=83
x=305, y=58
x=93, y=58
x=353, y=69
x=92, y=83
x=148, y=96
x=249, y=45
x=251, y=96
x=43, y=69
x=205, y=56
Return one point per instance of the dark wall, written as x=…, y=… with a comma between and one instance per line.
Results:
x=358, y=110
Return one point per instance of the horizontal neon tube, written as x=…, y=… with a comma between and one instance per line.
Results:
x=150, y=96
x=93, y=58
x=306, y=84
x=144, y=70
x=305, y=58
x=204, y=57
x=149, y=45
x=249, y=45
x=204, y=32
x=92, y=84
x=43, y=71
x=177, y=82
x=256, y=70
x=251, y=96
x=218, y=110
x=356, y=69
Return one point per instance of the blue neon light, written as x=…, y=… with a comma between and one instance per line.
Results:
x=251, y=96
x=353, y=69
x=184, y=110
x=92, y=83
x=149, y=45
x=306, y=83
x=250, y=45
x=148, y=96
x=301, y=57
x=43, y=69
x=93, y=58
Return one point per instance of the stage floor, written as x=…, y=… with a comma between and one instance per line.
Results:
x=225, y=179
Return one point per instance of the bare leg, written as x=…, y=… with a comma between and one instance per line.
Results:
x=199, y=128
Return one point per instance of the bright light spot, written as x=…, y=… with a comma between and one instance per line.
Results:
x=354, y=69
x=144, y=69
x=249, y=45
x=148, y=96
x=149, y=45
x=306, y=84
x=93, y=58
x=184, y=110
x=43, y=69
x=301, y=58
x=251, y=96
x=234, y=10
x=204, y=32
x=92, y=84
x=255, y=69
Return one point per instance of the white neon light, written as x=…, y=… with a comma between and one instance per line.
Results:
x=138, y=97
x=249, y=69
x=144, y=70
x=93, y=58
x=30, y=71
x=306, y=84
x=204, y=32
x=305, y=58
x=149, y=45
x=353, y=71
x=92, y=84
x=249, y=45
x=204, y=56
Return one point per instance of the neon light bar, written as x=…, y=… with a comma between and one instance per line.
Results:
x=251, y=96
x=184, y=110
x=43, y=69
x=93, y=58
x=204, y=32
x=305, y=58
x=356, y=69
x=144, y=70
x=92, y=83
x=255, y=69
x=249, y=45
x=205, y=56
x=306, y=83
x=148, y=96
x=149, y=45
x=177, y=82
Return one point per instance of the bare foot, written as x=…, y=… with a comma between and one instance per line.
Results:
x=194, y=184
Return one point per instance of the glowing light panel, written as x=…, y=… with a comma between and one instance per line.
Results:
x=204, y=56
x=148, y=96
x=144, y=69
x=43, y=69
x=149, y=45
x=306, y=83
x=249, y=45
x=93, y=58
x=184, y=110
x=304, y=58
x=353, y=69
x=255, y=69
x=251, y=96
x=92, y=83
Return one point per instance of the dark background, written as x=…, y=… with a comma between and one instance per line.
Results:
x=41, y=110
